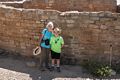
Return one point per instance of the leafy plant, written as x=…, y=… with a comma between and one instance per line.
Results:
x=104, y=71
x=97, y=68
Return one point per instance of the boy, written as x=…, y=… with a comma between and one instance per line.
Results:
x=56, y=43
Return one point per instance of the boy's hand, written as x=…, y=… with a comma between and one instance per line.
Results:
x=65, y=45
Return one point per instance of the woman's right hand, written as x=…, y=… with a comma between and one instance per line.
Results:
x=39, y=46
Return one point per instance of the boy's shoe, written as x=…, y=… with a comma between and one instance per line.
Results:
x=58, y=69
x=52, y=68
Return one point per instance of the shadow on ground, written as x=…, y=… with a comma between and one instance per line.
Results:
x=18, y=66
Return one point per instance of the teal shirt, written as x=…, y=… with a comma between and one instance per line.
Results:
x=46, y=35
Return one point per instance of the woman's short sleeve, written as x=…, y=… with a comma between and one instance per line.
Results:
x=43, y=32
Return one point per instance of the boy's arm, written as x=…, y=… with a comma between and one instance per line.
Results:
x=62, y=42
x=62, y=45
x=51, y=40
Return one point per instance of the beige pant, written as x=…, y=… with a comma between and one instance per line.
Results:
x=44, y=57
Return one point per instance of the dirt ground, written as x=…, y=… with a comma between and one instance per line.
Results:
x=15, y=68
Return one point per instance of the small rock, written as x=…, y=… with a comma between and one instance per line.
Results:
x=87, y=79
x=31, y=64
x=113, y=73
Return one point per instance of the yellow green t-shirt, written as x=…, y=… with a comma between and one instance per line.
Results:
x=56, y=43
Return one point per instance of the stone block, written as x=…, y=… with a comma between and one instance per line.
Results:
x=89, y=21
x=117, y=27
x=70, y=21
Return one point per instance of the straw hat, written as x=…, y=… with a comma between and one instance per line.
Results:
x=36, y=51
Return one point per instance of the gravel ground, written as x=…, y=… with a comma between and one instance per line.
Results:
x=13, y=68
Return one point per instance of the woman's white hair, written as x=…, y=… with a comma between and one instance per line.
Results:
x=50, y=23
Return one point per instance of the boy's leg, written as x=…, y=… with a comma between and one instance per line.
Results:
x=58, y=62
x=53, y=62
x=58, y=65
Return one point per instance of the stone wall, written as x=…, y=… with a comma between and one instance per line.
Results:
x=16, y=5
x=9, y=0
x=86, y=34
x=118, y=8
x=13, y=3
x=68, y=5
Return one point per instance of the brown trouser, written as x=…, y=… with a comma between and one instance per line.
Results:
x=44, y=57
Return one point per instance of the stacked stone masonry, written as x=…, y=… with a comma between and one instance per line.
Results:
x=68, y=5
x=9, y=0
x=86, y=34
x=118, y=8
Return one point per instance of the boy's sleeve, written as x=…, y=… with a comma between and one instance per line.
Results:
x=62, y=41
x=51, y=40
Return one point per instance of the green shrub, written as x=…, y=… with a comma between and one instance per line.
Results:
x=97, y=68
x=104, y=71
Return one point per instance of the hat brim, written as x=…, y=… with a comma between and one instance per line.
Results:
x=36, y=51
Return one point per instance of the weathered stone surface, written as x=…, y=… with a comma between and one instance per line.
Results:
x=67, y=5
x=117, y=27
x=9, y=0
x=118, y=8
x=86, y=34
x=70, y=5
x=31, y=64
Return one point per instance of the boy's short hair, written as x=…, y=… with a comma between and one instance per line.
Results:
x=58, y=30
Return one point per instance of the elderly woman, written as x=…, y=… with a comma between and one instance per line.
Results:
x=45, y=46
